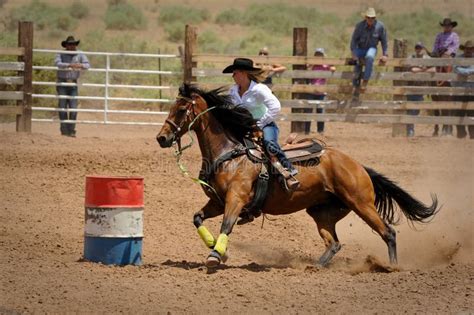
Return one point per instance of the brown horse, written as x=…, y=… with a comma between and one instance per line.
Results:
x=328, y=191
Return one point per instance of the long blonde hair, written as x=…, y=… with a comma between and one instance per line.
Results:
x=257, y=75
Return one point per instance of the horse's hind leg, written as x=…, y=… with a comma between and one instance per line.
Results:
x=368, y=213
x=326, y=216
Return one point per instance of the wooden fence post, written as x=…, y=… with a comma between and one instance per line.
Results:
x=190, y=45
x=25, y=39
x=399, y=51
x=300, y=48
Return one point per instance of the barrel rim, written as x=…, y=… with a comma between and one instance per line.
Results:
x=114, y=177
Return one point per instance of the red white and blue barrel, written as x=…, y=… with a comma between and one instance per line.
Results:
x=113, y=233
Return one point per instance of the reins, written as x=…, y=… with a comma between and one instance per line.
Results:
x=179, y=150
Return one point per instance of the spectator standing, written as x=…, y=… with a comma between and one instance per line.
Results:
x=270, y=69
x=319, y=52
x=70, y=66
x=365, y=38
x=420, y=52
x=468, y=49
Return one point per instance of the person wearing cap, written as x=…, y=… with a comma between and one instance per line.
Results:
x=271, y=69
x=69, y=69
x=420, y=52
x=447, y=41
x=464, y=72
x=258, y=99
x=365, y=38
x=319, y=96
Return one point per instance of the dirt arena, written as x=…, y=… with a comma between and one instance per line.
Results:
x=271, y=268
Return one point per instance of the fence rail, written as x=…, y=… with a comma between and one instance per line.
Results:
x=107, y=87
x=393, y=80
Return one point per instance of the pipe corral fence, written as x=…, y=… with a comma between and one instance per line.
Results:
x=384, y=101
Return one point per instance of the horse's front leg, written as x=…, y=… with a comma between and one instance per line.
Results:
x=210, y=210
x=233, y=207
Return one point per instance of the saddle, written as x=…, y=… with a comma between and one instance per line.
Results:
x=301, y=151
x=306, y=149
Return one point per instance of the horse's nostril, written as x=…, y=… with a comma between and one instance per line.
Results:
x=161, y=140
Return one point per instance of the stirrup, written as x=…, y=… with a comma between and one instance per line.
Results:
x=291, y=183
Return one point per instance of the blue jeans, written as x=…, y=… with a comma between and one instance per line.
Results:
x=414, y=112
x=67, y=128
x=369, y=57
x=270, y=142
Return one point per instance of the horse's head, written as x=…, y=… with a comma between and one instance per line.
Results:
x=186, y=108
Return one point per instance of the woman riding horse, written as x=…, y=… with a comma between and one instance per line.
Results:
x=250, y=93
x=328, y=191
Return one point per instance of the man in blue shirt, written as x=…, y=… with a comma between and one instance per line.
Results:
x=364, y=42
x=69, y=70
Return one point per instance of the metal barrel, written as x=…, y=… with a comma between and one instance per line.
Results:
x=113, y=232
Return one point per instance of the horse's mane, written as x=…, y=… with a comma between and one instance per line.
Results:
x=236, y=120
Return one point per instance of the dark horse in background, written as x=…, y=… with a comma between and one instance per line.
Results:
x=328, y=191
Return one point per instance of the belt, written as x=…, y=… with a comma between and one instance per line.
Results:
x=67, y=81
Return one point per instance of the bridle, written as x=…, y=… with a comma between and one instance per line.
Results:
x=177, y=128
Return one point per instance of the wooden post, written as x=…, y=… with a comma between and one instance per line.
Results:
x=190, y=47
x=25, y=40
x=399, y=51
x=300, y=48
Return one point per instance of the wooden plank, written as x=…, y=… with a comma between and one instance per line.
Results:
x=11, y=110
x=306, y=60
x=12, y=51
x=300, y=48
x=11, y=95
x=25, y=39
x=380, y=119
x=349, y=75
x=12, y=66
x=399, y=51
x=190, y=46
x=11, y=80
x=347, y=89
x=367, y=105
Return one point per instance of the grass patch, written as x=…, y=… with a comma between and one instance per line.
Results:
x=124, y=16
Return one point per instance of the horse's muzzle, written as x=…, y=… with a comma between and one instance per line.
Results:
x=165, y=141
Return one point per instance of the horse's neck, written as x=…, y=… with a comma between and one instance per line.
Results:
x=212, y=138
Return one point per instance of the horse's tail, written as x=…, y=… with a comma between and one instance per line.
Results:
x=386, y=191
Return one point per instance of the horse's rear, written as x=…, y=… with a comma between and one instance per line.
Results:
x=339, y=184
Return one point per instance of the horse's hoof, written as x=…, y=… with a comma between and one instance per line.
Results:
x=212, y=262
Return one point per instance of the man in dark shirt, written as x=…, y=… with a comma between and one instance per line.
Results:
x=69, y=70
x=364, y=42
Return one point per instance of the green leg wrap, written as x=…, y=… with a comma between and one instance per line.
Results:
x=206, y=236
x=221, y=244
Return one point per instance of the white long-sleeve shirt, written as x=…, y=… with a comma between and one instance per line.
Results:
x=259, y=100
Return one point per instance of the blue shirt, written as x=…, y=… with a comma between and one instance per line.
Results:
x=365, y=37
x=464, y=71
x=63, y=61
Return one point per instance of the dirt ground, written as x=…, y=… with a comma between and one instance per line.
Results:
x=271, y=268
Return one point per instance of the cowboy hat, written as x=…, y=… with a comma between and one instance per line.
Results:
x=70, y=40
x=369, y=13
x=240, y=64
x=448, y=22
x=468, y=44
x=319, y=51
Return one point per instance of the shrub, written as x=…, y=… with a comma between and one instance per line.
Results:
x=175, y=31
x=124, y=16
x=209, y=42
x=182, y=14
x=78, y=10
x=231, y=16
x=43, y=15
